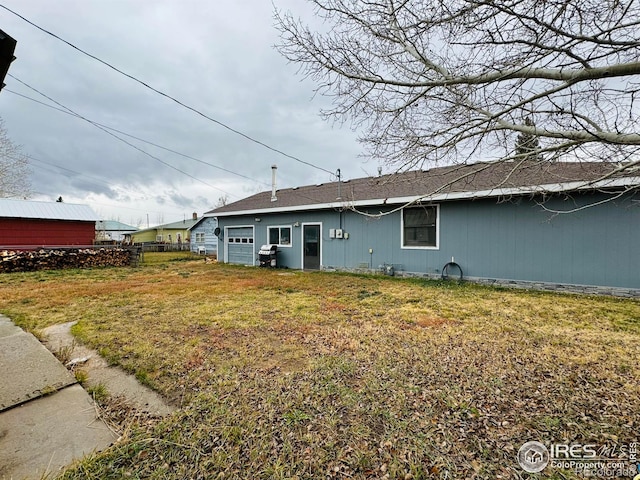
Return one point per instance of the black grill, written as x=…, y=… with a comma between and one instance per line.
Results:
x=267, y=256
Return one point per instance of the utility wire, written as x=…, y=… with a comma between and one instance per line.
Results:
x=96, y=181
x=298, y=194
x=146, y=85
x=176, y=213
x=119, y=138
x=92, y=179
x=136, y=138
x=71, y=172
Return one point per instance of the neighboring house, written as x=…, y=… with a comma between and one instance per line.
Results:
x=493, y=219
x=112, y=230
x=29, y=224
x=176, y=233
x=203, y=237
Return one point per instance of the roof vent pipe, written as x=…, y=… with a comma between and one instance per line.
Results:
x=273, y=183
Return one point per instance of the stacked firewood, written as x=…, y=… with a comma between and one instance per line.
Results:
x=54, y=259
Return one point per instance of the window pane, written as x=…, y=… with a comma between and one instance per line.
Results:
x=420, y=227
x=285, y=236
x=273, y=235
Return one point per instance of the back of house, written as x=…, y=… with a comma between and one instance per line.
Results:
x=570, y=226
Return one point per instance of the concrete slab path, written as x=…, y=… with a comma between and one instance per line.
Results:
x=117, y=382
x=28, y=369
x=46, y=419
x=43, y=436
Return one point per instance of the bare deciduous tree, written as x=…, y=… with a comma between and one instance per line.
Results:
x=222, y=201
x=453, y=80
x=14, y=168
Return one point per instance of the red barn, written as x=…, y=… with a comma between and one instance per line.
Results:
x=30, y=224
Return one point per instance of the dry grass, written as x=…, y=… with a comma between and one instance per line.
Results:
x=311, y=375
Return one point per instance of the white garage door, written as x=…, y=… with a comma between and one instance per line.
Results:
x=240, y=247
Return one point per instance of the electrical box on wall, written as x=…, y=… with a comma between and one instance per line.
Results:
x=332, y=233
x=338, y=233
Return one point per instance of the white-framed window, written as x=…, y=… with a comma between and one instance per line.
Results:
x=158, y=238
x=420, y=227
x=199, y=237
x=279, y=235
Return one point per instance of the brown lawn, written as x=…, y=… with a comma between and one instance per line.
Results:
x=283, y=374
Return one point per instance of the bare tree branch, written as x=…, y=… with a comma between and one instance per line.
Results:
x=432, y=81
x=14, y=168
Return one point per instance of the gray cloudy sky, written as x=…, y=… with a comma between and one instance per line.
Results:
x=216, y=56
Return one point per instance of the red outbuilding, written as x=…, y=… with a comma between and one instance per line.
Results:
x=26, y=224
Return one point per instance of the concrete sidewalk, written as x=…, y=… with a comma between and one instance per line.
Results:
x=47, y=420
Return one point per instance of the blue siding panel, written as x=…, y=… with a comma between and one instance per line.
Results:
x=510, y=240
x=206, y=226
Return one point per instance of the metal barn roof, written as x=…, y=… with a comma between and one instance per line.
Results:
x=10, y=208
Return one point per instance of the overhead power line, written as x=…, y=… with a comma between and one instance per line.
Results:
x=94, y=180
x=144, y=210
x=166, y=95
x=67, y=112
x=71, y=172
x=137, y=138
x=119, y=138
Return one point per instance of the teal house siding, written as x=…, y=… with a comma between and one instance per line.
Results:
x=202, y=235
x=490, y=239
x=522, y=241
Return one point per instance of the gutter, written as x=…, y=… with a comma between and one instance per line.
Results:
x=441, y=197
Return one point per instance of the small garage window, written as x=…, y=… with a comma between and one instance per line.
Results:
x=280, y=236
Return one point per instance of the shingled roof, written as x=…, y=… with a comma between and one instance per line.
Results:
x=478, y=180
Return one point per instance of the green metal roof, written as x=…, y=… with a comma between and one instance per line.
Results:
x=181, y=225
x=114, y=225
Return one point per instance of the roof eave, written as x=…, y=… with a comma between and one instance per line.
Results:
x=441, y=197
